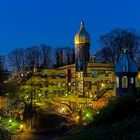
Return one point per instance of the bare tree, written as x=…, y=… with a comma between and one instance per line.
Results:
x=119, y=39
x=3, y=75
x=46, y=52
x=16, y=59
x=32, y=56
x=64, y=56
x=2, y=59
x=59, y=55
x=68, y=55
x=104, y=55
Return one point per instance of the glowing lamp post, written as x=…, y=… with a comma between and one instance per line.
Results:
x=69, y=87
x=63, y=109
x=21, y=127
x=10, y=121
x=103, y=85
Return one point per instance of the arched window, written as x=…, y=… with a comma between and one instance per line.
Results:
x=117, y=81
x=124, y=82
x=131, y=80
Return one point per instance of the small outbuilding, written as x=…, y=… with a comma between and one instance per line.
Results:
x=126, y=71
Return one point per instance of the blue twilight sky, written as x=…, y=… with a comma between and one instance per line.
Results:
x=24, y=23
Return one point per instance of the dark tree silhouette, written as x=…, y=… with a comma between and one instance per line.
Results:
x=63, y=56
x=3, y=75
x=116, y=40
x=32, y=55
x=46, y=55
x=16, y=59
x=59, y=55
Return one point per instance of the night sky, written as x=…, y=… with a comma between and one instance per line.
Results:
x=24, y=23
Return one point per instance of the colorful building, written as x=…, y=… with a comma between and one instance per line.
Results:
x=126, y=72
x=84, y=77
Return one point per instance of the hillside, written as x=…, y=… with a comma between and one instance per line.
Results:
x=119, y=120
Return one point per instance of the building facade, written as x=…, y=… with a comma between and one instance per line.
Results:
x=84, y=77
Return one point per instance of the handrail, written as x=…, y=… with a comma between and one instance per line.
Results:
x=99, y=95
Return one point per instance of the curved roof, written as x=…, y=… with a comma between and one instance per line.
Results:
x=126, y=64
x=82, y=36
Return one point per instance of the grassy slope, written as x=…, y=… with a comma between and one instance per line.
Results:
x=120, y=120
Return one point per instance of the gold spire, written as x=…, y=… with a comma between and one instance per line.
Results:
x=82, y=36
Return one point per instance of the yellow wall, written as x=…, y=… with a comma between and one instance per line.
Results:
x=103, y=77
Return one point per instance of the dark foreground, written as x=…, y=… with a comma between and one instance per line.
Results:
x=29, y=136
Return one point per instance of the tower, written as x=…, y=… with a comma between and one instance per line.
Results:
x=82, y=56
x=82, y=48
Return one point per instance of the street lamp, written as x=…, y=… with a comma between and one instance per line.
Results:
x=10, y=121
x=69, y=88
x=21, y=127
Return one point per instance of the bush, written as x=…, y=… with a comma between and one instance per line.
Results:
x=119, y=120
x=116, y=110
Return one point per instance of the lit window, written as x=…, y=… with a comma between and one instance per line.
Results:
x=117, y=81
x=124, y=82
x=138, y=76
x=59, y=85
x=131, y=80
x=81, y=75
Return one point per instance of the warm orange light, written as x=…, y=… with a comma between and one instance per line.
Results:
x=91, y=96
x=21, y=126
x=62, y=109
x=103, y=84
x=77, y=117
x=138, y=76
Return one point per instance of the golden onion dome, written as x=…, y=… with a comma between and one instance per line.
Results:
x=82, y=36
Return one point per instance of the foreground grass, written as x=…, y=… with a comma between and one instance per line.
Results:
x=128, y=129
x=119, y=120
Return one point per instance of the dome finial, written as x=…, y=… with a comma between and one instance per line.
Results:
x=82, y=25
x=82, y=36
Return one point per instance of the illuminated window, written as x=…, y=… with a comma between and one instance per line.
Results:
x=131, y=80
x=64, y=84
x=117, y=80
x=59, y=85
x=81, y=75
x=124, y=82
x=138, y=76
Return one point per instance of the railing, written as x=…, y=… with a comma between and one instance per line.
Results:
x=99, y=94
